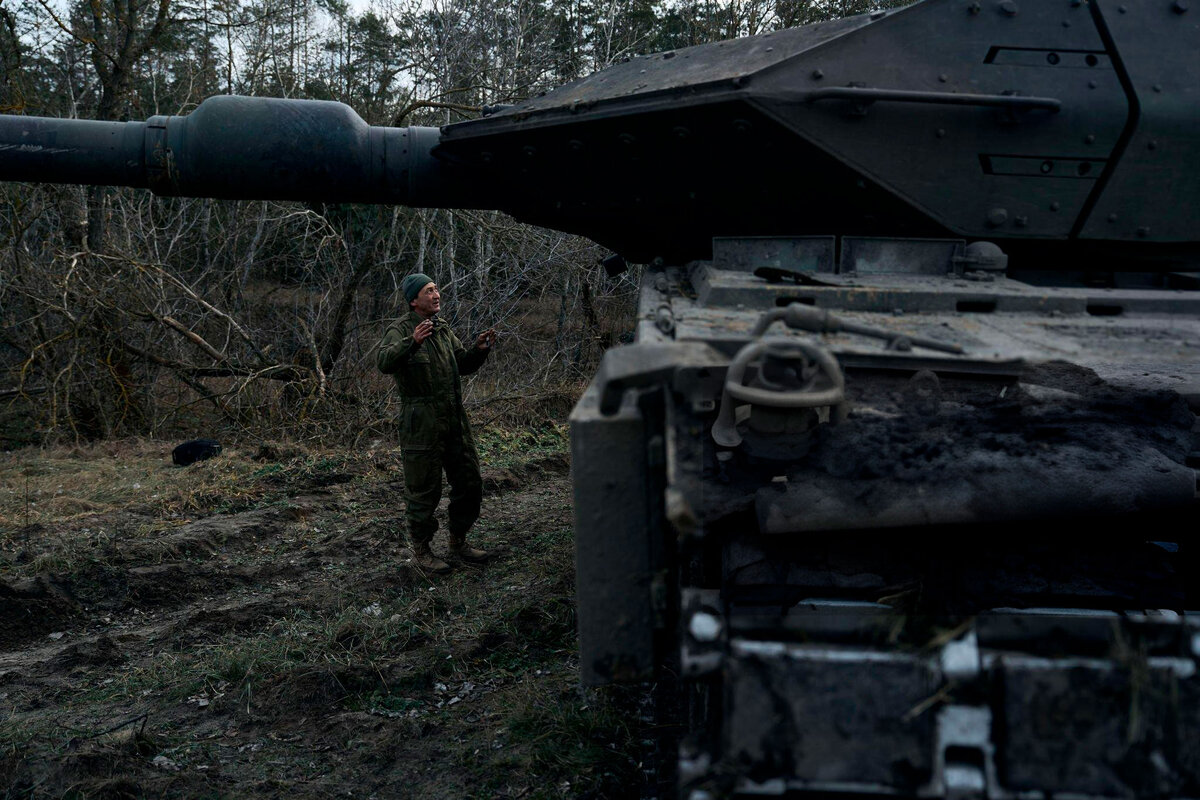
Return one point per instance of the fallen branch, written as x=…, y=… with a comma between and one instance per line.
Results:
x=139, y=718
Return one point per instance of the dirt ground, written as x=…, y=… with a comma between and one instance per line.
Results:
x=252, y=626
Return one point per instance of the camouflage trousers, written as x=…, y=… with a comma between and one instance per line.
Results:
x=451, y=450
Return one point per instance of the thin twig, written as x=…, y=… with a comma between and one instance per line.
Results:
x=140, y=717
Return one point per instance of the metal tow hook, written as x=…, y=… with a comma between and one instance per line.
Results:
x=817, y=381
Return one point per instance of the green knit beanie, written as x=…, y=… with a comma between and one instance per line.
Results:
x=413, y=284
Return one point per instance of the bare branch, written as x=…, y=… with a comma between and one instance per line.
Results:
x=398, y=120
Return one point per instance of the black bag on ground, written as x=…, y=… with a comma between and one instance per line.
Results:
x=195, y=450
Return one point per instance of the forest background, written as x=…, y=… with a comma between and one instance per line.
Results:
x=126, y=314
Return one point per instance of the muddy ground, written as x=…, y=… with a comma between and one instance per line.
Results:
x=255, y=628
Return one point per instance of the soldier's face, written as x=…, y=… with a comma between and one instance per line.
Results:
x=428, y=301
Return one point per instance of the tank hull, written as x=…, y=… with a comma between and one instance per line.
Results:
x=976, y=579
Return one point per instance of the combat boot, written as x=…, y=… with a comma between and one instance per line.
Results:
x=425, y=559
x=472, y=555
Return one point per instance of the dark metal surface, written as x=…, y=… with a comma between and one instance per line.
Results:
x=946, y=167
x=863, y=95
x=1061, y=122
x=238, y=147
x=1160, y=154
x=703, y=68
x=614, y=570
x=939, y=585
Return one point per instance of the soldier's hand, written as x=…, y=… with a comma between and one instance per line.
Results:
x=486, y=339
x=423, y=331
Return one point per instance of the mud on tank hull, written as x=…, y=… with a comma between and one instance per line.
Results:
x=950, y=574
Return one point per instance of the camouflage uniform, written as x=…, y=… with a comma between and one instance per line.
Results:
x=434, y=431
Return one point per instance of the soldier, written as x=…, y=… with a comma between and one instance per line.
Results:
x=427, y=359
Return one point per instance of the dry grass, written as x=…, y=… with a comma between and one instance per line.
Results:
x=262, y=622
x=52, y=485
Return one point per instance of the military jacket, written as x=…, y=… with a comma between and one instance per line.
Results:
x=427, y=377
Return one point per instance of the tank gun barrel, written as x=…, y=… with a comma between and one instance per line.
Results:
x=76, y=151
x=235, y=147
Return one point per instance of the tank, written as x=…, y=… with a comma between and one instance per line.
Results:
x=895, y=493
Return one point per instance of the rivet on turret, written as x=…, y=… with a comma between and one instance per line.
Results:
x=943, y=78
x=1008, y=8
x=941, y=133
x=1021, y=221
x=1055, y=206
x=1090, y=138
x=1112, y=217
x=1179, y=6
x=1143, y=231
x=1157, y=87
x=1122, y=10
x=818, y=74
x=974, y=8
x=1066, y=23
x=1152, y=144
x=997, y=217
x=529, y=151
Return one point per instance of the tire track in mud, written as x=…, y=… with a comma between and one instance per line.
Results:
x=136, y=575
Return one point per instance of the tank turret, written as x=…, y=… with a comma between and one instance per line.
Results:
x=1051, y=128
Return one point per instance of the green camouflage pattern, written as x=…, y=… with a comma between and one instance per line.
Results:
x=435, y=435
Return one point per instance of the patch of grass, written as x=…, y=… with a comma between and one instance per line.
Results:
x=515, y=660
x=234, y=668
x=269, y=469
x=51, y=485
x=387, y=701
x=555, y=537
x=507, y=447
x=568, y=738
x=55, y=484
x=239, y=663
x=312, y=619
